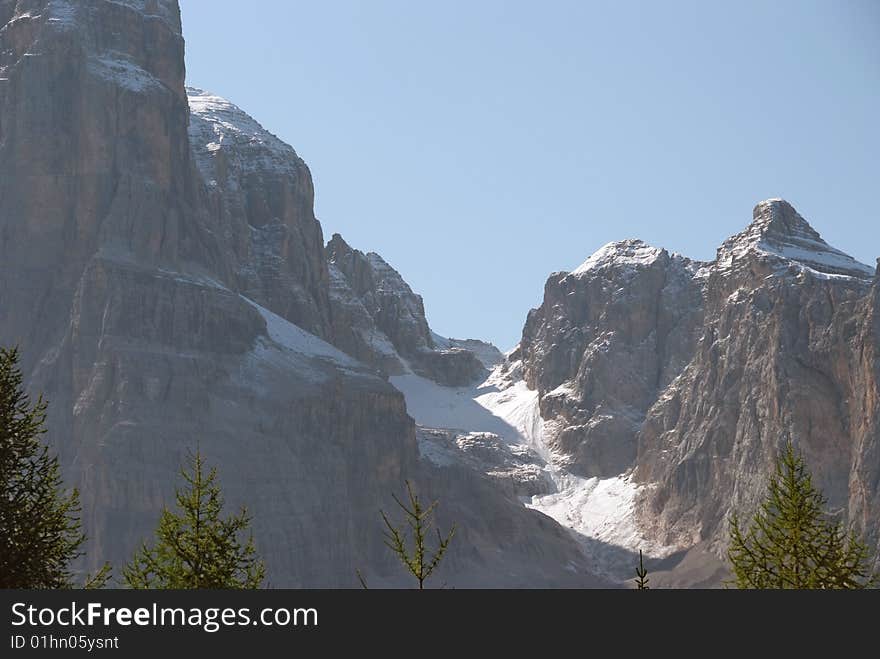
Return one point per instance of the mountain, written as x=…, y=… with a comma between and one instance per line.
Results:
x=685, y=378
x=379, y=319
x=607, y=339
x=788, y=349
x=163, y=271
x=166, y=278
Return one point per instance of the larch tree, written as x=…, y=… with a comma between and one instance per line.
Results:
x=420, y=561
x=792, y=543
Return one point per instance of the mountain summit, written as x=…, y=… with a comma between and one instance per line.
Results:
x=779, y=233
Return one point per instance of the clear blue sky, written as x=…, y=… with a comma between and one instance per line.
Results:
x=481, y=145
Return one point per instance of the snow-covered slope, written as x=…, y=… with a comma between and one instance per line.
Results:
x=293, y=339
x=599, y=512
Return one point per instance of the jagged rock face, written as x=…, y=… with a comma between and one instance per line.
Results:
x=864, y=498
x=396, y=311
x=488, y=355
x=606, y=340
x=140, y=274
x=261, y=195
x=378, y=318
x=354, y=327
x=307, y=439
x=788, y=350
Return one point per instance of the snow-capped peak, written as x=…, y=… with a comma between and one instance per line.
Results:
x=778, y=231
x=620, y=253
x=216, y=124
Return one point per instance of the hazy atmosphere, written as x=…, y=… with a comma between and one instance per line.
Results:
x=217, y=373
x=480, y=146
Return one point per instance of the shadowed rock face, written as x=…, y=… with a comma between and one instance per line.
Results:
x=122, y=281
x=166, y=279
x=87, y=165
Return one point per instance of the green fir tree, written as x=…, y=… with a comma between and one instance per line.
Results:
x=792, y=543
x=40, y=532
x=196, y=548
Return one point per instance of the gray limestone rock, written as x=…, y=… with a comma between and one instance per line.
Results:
x=165, y=276
x=378, y=318
x=606, y=340
x=788, y=351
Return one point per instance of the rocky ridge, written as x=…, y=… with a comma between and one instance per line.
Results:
x=378, y=318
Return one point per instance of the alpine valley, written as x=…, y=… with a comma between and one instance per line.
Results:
x=163, y=272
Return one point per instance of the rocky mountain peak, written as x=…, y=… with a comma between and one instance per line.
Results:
x=379, y=319
x=780, y=235
x=337, y=246
x=216, y=125
x=777, y=219
x=370, y=273
x=70, y=13
x=632, y=252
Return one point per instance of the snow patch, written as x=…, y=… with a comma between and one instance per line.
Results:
x=517, y=405
x=599, y=512
x=600, y=509
x=434, y=406
x=825, y=261
x=620, y=253
x=122, y=72
x=292, y=338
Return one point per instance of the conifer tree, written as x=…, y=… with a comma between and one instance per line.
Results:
x=40, y=533
x=195, y=548
x=420, y=561
x=792, y=543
